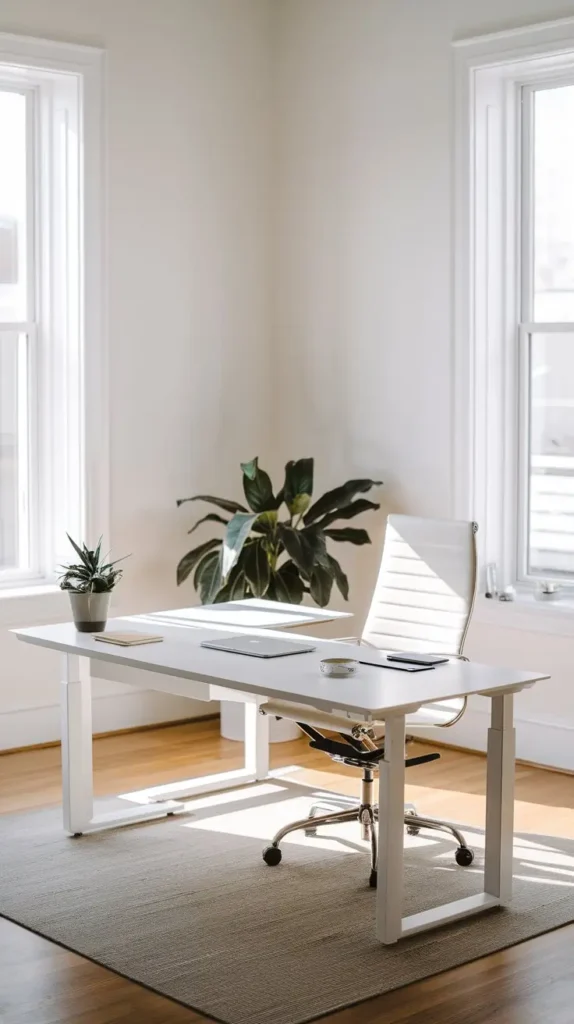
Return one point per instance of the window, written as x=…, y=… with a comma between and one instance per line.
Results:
x=50, y=303
x=514, y=299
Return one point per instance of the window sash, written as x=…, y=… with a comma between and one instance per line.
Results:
x=528, y=328
x=26, y=333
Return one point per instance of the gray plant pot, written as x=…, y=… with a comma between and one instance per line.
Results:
x=90, y=611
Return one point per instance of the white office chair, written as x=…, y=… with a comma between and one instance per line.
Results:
x=423, y=602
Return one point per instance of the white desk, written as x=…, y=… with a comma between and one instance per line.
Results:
x=183, y=667
x=250, y=613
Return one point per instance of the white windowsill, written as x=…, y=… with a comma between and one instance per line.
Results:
x=526, y=613
x=33, y=604
x=31, y=590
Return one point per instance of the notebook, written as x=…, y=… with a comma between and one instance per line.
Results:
x=128, y=639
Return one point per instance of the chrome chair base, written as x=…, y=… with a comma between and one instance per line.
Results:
x=367, y=814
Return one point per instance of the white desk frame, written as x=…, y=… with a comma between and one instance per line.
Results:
x=369, y=697
x=391, y=925
x=77, y=769
x=76, y=708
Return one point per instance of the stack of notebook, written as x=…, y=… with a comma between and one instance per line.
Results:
x=128, y=639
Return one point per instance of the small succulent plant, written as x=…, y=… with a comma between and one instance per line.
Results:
x=92, y=574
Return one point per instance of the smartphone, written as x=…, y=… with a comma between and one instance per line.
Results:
x=418, y=659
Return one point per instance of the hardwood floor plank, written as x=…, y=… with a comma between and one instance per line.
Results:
x=40, y=983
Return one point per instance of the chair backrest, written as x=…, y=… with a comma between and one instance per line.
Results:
x=425, y=590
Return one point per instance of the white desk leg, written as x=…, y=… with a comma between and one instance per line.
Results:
x=500, y=800
x=391, y=832
x=76, y=744
x=77, y=784
x=256, y=742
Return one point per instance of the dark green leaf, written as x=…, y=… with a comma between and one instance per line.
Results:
x=189, y=561
x=354, y=508
x=201, y=565
x=235, y=589
x=256, y=567
x=225, y=589
x=306, y=547
x=222, y=595
x=210, y=581
x=321, y=585
x=298, y=486
x=97, y=551
x=82, y=553
x=211, y=517
x=349, y=534
x=319, y=543
x=340, y=577
x=238, y=588
x=257, y=487
x=338, y=498
x=224, y=503
x=236, y=534
x=288, y=584
x=297, y=547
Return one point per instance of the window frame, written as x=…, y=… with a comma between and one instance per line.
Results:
x=495, y=79
x=65, y=81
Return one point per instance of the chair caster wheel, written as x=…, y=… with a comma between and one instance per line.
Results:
x=310, y=832
x=373, y=879
x=413, y=830
x=464, y=856
x=77, y=835
x=272, y=855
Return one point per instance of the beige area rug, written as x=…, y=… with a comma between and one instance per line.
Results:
x=187, y=907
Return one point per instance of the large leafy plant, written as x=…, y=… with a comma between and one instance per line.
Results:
x=261, y=555
x=93, y=574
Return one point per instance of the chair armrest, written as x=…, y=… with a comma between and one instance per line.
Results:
x=354, y=640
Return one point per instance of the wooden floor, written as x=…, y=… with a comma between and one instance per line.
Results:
x=43, y=984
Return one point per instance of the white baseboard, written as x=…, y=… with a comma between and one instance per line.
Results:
x=28, y=726
x=549, y=743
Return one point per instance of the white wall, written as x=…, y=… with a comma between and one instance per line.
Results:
x=187, y=236
x=363, y=310
x=358, y=129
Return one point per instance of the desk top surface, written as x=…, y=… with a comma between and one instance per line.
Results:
x=252, y=613
x=372, y=693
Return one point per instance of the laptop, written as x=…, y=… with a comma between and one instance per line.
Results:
x=258, y=646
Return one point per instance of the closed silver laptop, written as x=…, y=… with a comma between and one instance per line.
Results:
x=258, y=646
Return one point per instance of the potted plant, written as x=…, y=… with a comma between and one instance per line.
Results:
x=89, y=584
x=261, y=555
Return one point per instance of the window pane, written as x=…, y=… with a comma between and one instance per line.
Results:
x=554, y=204
x=551, y=527
x=13, y=452
x=12, y=207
